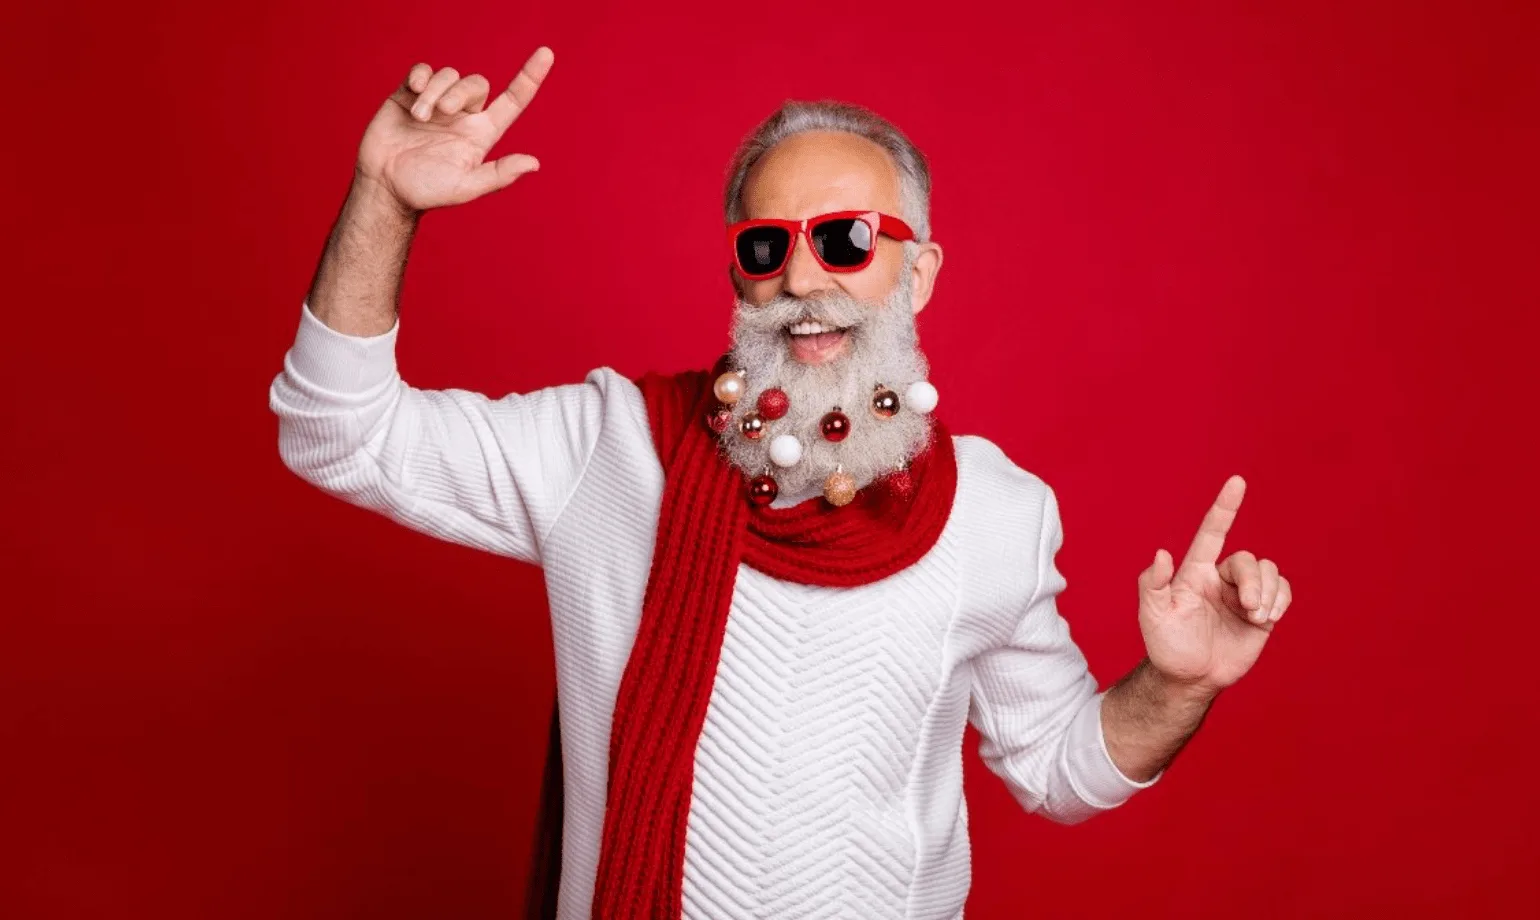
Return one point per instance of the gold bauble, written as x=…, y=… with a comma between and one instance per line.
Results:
x=729, y=388
x=840, y=488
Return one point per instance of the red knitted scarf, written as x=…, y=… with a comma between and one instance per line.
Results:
x=707, y=526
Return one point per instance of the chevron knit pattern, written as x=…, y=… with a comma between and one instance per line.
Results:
x=706, y=527
x=828, y=772
x=829, y=693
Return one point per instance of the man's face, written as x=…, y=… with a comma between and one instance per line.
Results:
x=868, y=344
x=816, y=173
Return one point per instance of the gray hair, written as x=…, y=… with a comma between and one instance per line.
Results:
x=795, y=117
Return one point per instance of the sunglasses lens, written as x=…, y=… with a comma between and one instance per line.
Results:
x=843, y=243
x=762, y=250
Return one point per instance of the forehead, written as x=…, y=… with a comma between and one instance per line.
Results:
x=821, y=171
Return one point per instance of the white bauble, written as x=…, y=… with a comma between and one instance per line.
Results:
x=785, y=450
x=921, y=396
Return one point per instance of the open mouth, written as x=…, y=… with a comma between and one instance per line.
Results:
x=813, y=342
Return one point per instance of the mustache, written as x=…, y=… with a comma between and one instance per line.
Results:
x=840, y=310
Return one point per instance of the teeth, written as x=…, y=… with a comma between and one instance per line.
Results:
x=810, y=328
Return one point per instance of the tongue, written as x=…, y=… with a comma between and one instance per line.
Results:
x=816, y=348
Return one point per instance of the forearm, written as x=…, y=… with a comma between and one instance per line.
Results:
x=1147, y=719
x=357, y=286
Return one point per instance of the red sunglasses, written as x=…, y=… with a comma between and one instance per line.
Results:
x=843, y=241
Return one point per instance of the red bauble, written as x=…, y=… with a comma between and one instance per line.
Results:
x=719, y=418
x=835, y=426
x=901, y=484
x=762, y=490
x=774, y=403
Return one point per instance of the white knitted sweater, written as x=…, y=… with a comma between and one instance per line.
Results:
x=828, y=775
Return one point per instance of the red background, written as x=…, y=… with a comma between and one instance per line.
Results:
x=1296, y=244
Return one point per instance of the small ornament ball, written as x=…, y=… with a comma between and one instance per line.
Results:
x=785, y=450
x=884, y=403
x=835, y=426
x=762, y=490
x=774, y=403
x=752, y=426
x=921, y=396
x=719, y=419
x=839, y=489
x=729, y=388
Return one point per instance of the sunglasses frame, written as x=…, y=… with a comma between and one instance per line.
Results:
x=876, y=221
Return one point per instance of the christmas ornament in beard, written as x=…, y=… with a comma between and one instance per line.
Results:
x=881, y=353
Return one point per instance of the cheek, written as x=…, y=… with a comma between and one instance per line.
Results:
x=760, y=292
x=875, y=281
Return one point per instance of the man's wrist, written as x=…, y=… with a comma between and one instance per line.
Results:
x=1148, y=716
x=370, y=200
x=1176, y=690
x=357, y=286
x=1156, y=699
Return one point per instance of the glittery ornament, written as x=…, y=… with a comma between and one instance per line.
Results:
x=921, y=396
x=729, y=388
x=762, y=490
x=884, y=402
x=785, y=450
x=835, y=426
x=752, y=426
x=719, y=419
x=840, y=488
x=901, y=484
x=774, y=403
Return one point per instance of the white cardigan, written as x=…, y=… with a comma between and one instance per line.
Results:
x=828, y=775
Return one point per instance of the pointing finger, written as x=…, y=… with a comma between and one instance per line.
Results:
x=1210, y=539
x=517, y=97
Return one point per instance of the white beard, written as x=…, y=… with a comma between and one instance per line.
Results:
x=882, y=347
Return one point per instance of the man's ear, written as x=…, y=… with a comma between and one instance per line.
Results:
x=927, y=265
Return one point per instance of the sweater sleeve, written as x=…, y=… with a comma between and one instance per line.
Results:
x=1036, y=706
x=493, y=474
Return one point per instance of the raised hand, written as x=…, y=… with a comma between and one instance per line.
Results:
x=1205, y=623
x=427, y=145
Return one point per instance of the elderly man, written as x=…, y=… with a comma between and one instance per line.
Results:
x=780, y=588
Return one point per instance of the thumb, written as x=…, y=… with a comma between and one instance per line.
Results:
x=1158, y=575
x=500, y=173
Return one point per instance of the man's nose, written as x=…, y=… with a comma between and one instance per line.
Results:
x=804, y=275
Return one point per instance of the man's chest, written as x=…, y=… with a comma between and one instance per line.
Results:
x=824, y=702
x=811, y=676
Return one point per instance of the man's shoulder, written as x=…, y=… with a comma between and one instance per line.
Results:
x=999, y=514
x=606, y=377
x=997, y=499
x=605, y=403
x=608, y=384
x=989, y=476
